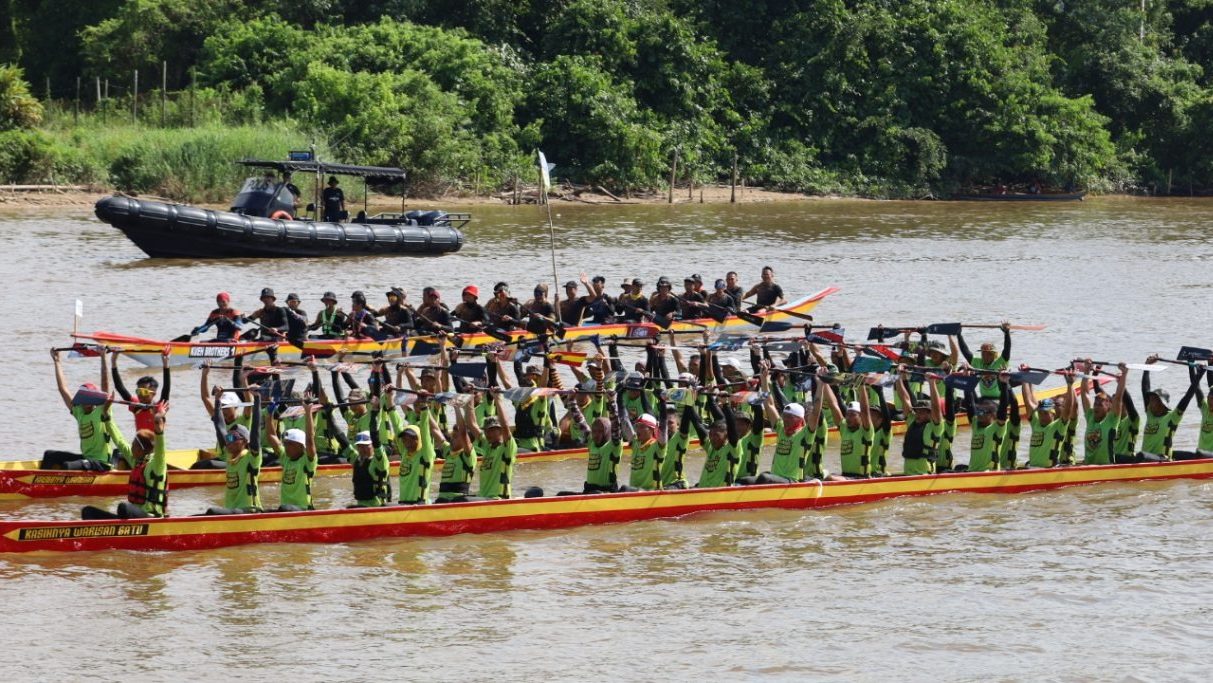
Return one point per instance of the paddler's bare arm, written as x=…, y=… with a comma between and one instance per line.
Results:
x=61, y=381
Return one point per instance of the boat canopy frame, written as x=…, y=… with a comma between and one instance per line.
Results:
x=319, y=169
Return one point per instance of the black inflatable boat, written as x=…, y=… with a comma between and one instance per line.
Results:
x=262, y=224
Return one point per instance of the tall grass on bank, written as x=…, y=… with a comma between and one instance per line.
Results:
x=191, y=164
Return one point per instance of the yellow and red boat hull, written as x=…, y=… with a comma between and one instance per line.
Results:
x=149, y=351
x=340, y=526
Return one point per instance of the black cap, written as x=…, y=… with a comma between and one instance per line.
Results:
x=358, y=296
x=292, y=297
x=663, y=280
x=501, y=287
x=329, y=296
x=266, y=291
x=570, y=283
x=1163, y=395
x=598, y=278
x=636, y=282
x=696, y=277
x=395, y=291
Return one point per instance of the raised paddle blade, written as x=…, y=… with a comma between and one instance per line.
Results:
x=730, y=342
x=498, y=334
x=886, y=352
x=718, y=313
x=182, y=338
x=949, y=329
x=961, y=382
x=1194, y=353
x=1033, y=377
x=826, y=337
x=517, y=394
x=424, y=348
x=1143, y=367
x=865, y=364
x=782, y=346
x=469, y=370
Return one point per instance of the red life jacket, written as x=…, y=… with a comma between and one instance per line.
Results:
x=141, y=491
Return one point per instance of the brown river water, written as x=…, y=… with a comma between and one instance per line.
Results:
x=1108, y=582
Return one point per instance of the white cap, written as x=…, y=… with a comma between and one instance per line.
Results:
x=296, y=436
x=363, y=438
x=794, y=409
x=687, y=377
x=229, y=400
x=853, y=406
x=647, y=420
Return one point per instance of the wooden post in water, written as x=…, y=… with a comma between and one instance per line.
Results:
x=733, y=184
x=163, y=92
x=673, y=175
x=135, y=98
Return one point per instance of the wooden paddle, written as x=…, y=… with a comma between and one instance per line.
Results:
x=1021, y=328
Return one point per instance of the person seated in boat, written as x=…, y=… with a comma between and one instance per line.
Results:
x=1048, y=425
x=296, y=193
x=572, y=307
x=663, y=302
x=600, y=307
x=988, y=359
x=605, y=446
x=767, y=293
x=223, y=318
x=147, y=484
x=649, y=444
x=1161, y=419
x=370, y=468
x=732, y=287
x=1102, y=417
x=470, y=314
x=590, y=403
x=331, y=320
x=1204, y=444
x=988, y=430
x=720, y=442
x=459, y=465
x=503, y=310
x=361, y=323
x=432, y=315
x=416, y=446
x=144, y=403
x=692, y=303
x=234, y=413
x=292, y=302
x=90, y=406
x=855, y=437
x=924, y=427
x=397, y=316
x=1125, y=448
x=539, y=312
x=632, y=303
x=795, y=433
x=750, y=421
x=271, y=316
x=500, y=450
x=298, y=457
x=533, y=416
x=242, y=455
x=720, y=298
x=882, y=431
x=333, y=201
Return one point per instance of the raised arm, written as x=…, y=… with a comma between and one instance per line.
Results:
x=865, y=414
x=118, y=385
x=501, y=417
x=1029, y=397
x=1006, y=341
x=964, y=347
x=1193, y=387
x=206, y=389
x=953, y=351
x=166, y=375
x=61, y=381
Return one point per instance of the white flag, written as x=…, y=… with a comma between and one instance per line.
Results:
x=544, y=168
x=79, y=308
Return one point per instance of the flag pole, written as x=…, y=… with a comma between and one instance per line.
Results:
x=544, y=182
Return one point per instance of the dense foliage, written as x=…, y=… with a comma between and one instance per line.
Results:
x=875, y=97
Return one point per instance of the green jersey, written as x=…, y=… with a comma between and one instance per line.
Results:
x=415, y=466
x=647, y=461
x=1205, y=442
x=987, y=386
x=497, y=469
x=246, y=420
x=946, y=435
x=149, y=484
x=749, y=447
x=1100, y=438
x=1008, y=455
x=855, y=450
x=880, y=450
x=602, y=463
x=985, y=445
x=1044, y=450
x=297, y=475
x=593, y=410
x=791, y=452
x=1126, y=436
x=243, y=491
x=720, y=465
x=1156, y=438
x=94, y=432
x=675, y=454
x=457, y=469
x=378, y=468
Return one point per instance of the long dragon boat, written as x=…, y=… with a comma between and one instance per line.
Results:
x=149, y=351
x=339, y=526
x=21, y=479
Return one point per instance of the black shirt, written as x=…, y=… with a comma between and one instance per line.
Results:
x=332, y=198
x=435, y=316
x=571, y=310
x=767, y=295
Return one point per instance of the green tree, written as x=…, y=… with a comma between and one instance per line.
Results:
x=18, y=109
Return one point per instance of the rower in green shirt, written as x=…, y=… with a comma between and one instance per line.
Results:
x=242, y=452
x=648, y=445
x=416, y=445
x=673, y=474
x=297, y=456
x=882, y=427
x=988, y=359
x=719, y=443
x=1048, y=426
x=855, y=436
x=1102, y=417
x=1204, y=445
x=795, y=432
x=90, y=407
x=1161, y=421
x=500, y=452
x=605, y=448
x=989, y=428
x=924, y=425
x=147, y=483
x=455, y=481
